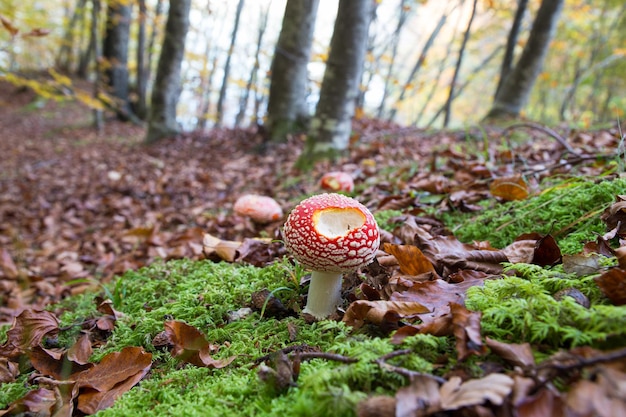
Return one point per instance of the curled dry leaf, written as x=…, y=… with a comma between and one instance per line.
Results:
x=28, y=330
x=116, y=373
x=509, y=188
x=615, y=215
x=514, y=353
x=191, y=346
x=379, y=312
x=38, y=402
x=8, y=370
x=493, y=388
x=613, y=285
x=410, y=258
x=225, y=250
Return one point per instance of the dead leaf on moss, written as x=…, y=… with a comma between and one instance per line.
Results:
x=613, y=285
x=191, y=346
x=28, y=330
x=116, y=373
x=517, y=354
x=38, y=402
x=225, y=250
x=615, y=215
x=8, y=370
x=493, y=388
x=381, y=312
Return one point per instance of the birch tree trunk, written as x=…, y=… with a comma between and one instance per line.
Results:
x=286, y=108
x=329, y=133
x=515, y=89
x=162, y=118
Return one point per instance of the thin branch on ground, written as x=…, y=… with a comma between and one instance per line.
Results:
x=408, y=373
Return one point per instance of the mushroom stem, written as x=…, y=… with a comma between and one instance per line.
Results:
x=324, y=294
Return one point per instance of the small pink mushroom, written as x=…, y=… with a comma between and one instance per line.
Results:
x=337, y=181
x=260, y=209
x=330, y=234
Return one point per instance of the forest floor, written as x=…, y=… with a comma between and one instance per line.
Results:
x=79, y=207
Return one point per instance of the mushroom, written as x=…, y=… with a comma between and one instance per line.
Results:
x=330, y=234
x=337, y=181
x=260, y=209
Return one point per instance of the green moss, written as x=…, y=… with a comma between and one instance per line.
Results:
x=383, y=218
x=523, y=309
x=569, y=210
x=201, y=294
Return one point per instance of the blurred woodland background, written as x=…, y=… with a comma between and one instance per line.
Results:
x=427, y=64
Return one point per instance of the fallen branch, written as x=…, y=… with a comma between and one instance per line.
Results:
x=545, y=130
x=408, y=373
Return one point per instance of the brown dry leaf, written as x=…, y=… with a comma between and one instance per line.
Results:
x=55, y=363
x=421, y=398
x=620, y=254
x=458, y=321
x=615, y=215
x=191, y=346
x=410, y=258
x=546, y=402
x=613, y=285
x=28, y=330
x=39, y=402
x=381, y=312
x=116, y=373
x=8, y=370
x=514, y=353
x=509, y=188
x=590, y=398
x=581, y=264
x=225, y=250
x=81, y=351
x=493, y=388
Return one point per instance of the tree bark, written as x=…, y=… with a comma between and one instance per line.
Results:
x=516, y=87
x=286, y=108
x=162, y=119
x=233, y=38
x=115, y=51
x=511, y=42
x=329, y=133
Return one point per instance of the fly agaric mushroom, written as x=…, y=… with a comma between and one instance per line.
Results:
x=337, y=181
x=330, y=234
x=260, y=209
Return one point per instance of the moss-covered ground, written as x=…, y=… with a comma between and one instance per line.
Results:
x=517, y=308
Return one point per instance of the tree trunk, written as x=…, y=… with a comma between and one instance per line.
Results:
x=66, y=52
x=233, y=38
x=115, y=51
x=515, y=89
x=286, y=108
x=162, y=118
x=457, y=68
x=511, y=42
x=329, y=133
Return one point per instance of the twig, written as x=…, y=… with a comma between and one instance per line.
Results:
x=578, y=362
x=328, y=356
x=382, y=362
x=545, y=130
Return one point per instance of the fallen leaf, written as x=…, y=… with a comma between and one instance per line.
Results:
x=613, y=285
x=509, y=188
x=81, y=351
x=116, y=373
x=493, y=388
x=225, y=250
x=8, y=370
x=191, y=346
x=410, y=258
x=38, y=402
x=380, y=312
x=28, y=330
x=514, y=353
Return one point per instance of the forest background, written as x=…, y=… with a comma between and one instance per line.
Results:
x=412, y=51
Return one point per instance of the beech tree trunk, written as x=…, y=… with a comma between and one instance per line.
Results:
x=329, y=133
x=166, y=91
x=286, y=109
x=115, y=51
x=515, y=89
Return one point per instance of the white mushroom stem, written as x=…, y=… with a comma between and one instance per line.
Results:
x=324, y=294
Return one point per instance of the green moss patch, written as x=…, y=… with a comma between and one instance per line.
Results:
x=569, y=210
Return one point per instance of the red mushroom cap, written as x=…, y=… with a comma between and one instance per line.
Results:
x=331, y=233
x=259, y=208
x=337, y=181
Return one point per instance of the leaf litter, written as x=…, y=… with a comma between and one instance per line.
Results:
x=79, y=207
